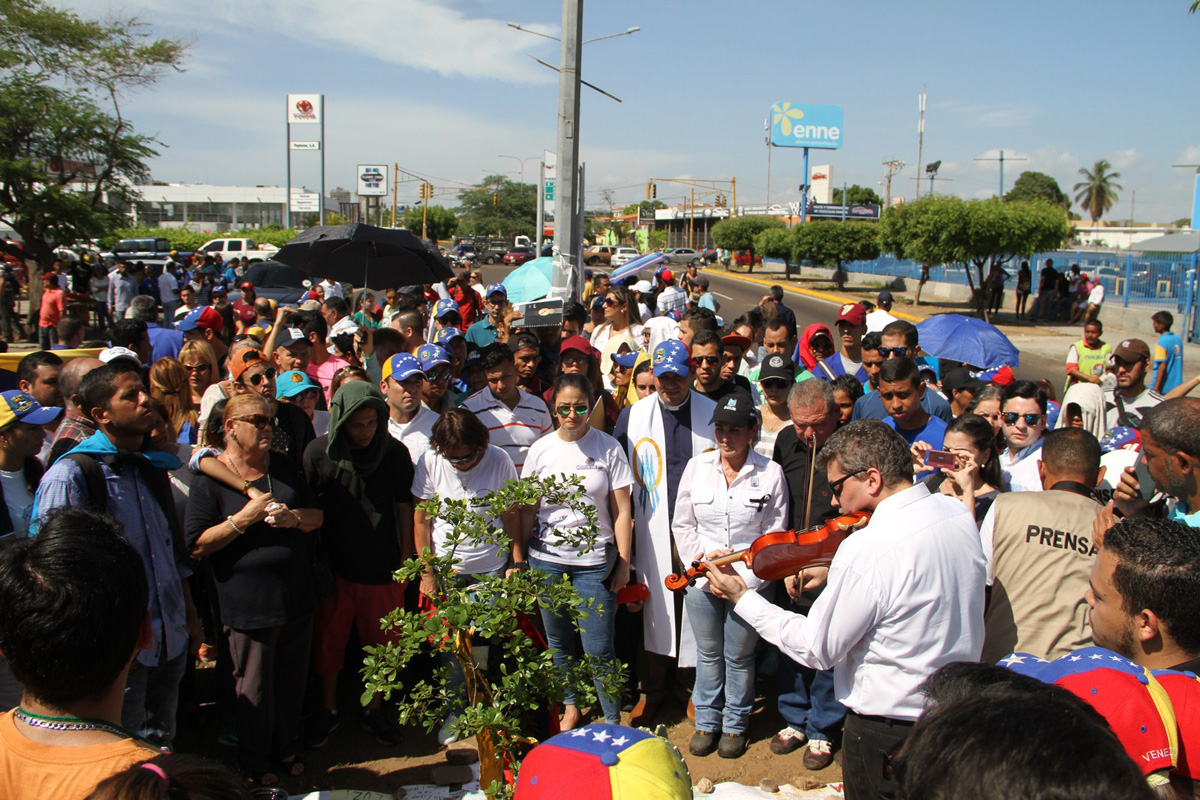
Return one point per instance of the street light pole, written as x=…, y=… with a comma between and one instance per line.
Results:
x=568, y=241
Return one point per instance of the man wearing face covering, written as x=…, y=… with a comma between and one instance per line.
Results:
x=362, y=478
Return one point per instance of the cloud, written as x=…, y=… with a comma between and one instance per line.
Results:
x=986, y=115
x=1190, y=155
x=1124, y=159
x=425, y=36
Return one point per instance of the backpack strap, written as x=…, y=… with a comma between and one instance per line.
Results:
x=93, y=479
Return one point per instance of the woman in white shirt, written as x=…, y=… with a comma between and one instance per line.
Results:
x=601, y=570
x=727, y=498
x=622, y=324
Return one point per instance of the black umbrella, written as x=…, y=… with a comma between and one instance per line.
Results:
x=364, y=255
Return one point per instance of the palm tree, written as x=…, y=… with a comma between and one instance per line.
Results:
x=1096, y=193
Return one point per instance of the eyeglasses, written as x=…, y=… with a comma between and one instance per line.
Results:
x=580, y=409
x=611, y=301
x=835, y=488
x=267, y=374
x=467, y=459
x=774, y=383
x=260, y=421
x=898, y=352
x=698, y=360
x=1010, y=418
x=440, y=375
x=197, y=367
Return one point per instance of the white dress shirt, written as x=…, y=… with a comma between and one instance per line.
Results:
x=710, y=515
x=904, y=597
x=1019, y=473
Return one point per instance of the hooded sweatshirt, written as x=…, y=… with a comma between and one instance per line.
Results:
x=1090, y=399
x=358, y=489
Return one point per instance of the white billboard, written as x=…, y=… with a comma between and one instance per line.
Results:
x=304, y=109
x=372, y=180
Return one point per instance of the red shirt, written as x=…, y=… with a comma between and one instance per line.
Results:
x=53, y=306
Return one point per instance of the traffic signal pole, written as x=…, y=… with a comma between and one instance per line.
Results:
x=568, y=240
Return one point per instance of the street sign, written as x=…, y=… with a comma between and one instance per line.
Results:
x=306, y=145
x=806, y=125
x=549, y=189
x=372, y=180
x=306, y=202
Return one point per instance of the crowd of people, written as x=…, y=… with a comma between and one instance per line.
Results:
x=238, y=482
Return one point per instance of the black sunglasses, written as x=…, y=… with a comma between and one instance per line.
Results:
x=267, y=374
x=774, y=383
x=835, y=488
x=467, y=459
x=1011, y=417
x=888, y=352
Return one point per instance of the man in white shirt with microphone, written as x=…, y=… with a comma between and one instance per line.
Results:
x=904, y=597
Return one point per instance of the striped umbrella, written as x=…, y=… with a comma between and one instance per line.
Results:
x=636, y=266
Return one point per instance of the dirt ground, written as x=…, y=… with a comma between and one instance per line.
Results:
x=354, y=760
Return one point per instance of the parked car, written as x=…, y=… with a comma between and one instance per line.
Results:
x=599, y=254
x=148, y=251
x=682, y=256
x=518, y=256
x=239, y=248
x=743, y=258
x=277, y=281
x=624, y=255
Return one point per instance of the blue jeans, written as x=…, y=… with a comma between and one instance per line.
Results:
x=724, y=690
x=806, y=700
x=151, y=699
x=596, y=631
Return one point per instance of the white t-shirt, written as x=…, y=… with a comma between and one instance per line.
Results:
x=513, y=429
x=415, y=434
x=434, y=475
x=1096, y=296
x=604, y=467
x=332, y=289
x=19, y=500
x=168, y=287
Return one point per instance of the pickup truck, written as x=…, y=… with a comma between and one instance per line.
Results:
x=239, y=248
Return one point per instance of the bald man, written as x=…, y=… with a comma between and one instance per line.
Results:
x=75, y=426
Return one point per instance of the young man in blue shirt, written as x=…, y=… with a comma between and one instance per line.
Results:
x=900, y=389
x=1168, y=354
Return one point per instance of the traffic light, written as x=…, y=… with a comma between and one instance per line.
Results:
x=647, y=190
x=495, y=198
x=426, y=191
x=654, y=191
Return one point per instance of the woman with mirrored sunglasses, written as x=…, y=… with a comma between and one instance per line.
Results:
x=601, y=569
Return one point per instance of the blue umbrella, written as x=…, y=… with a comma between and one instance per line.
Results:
x=968, y=339
x=530, y=281
x=636, y=265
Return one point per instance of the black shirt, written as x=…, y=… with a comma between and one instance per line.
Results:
x=792, y=455
x=263, y=576
x=739, y=384
x=361, y=534
x=292, y=432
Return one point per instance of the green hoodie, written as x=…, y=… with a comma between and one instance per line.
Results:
x=352, y=397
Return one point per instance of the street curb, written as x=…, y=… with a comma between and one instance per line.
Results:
x=828, y=298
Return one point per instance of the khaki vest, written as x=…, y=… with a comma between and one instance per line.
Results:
x=1042, y=559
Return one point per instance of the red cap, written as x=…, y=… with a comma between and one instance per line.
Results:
x=852, y=314
x=578, y=343
x=246, y=285
x=667, y=276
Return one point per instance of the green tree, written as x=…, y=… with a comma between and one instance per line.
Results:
x=858, y=195
x=830, y=243
x=645, y=205
x=1182, y=222
x=64, y=144
x=1097, y=191
x=737, y=233
x=657, y=239
x=498, y=207
x=440, y=223
x=520, y=677
x=1032, y=185
x=778, y=243
x=974, y=233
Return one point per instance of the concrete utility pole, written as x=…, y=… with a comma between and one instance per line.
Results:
x=893, y=166
x=920, y=139
x=568, y=233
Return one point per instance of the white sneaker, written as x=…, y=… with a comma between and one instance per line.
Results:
x=819, y=754
x=446, y=734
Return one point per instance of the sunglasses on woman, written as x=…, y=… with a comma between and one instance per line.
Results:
x=260, y=421
x=258, y=377
x=197, y=367
x=1011, y=417
x=611, y=302
x=467, y=459
x=580, y=409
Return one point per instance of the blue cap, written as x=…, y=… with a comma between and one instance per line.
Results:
x=201, y=317
x=444, y=307
x=402, y=366
x=597, y=301
x=671, y=356
x=673, y=314
x=430, y=355
x=446, y=334
x=292, y=383
x=626, y=359
x=497, y=287
x=20, y=407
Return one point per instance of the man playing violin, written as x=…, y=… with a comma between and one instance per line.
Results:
x=904, y=597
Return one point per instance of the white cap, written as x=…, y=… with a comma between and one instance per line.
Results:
x=642, y=286
x=112, y=354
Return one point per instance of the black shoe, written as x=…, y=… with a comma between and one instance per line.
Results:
x=323, y=723
x=703, y=743
x=376, y=722
x=787, y=741
x=733, y=745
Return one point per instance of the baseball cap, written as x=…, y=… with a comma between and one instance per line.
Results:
x=401, y=367
x=643, y=286
x=202, y=317
x=604, y=761
x=292, y=383
x=247, y=314
x=577, y=343
x=626, y=359
x=218, y=289
x=1120, y=438
x=1002, y=376
x=777, y=366
x=445, y=335
x=1120, y=690
x=1132, y=350
x=735, y=409
x=310, y=305
x=671, y=356
x=290, y=336
x=244, y=360
x=736, y=340
x=430, y=355
x=246, y=285
x=493, y=288
x=524, y=341
x=111, y=354
x=667, y=276
x=444, y=307
x=884, y=297
x=852, y=314
x=673, y=314
x=597, y=301
x=20, y=407
x=960, y=378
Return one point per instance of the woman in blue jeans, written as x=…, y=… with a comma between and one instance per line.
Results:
x=727, y=498
x=597, y=572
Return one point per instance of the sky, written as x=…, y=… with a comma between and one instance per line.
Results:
x=445, y=89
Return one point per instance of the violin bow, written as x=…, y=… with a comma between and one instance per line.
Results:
x=812, y=466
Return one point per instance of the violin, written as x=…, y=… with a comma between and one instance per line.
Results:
x=775, y=556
